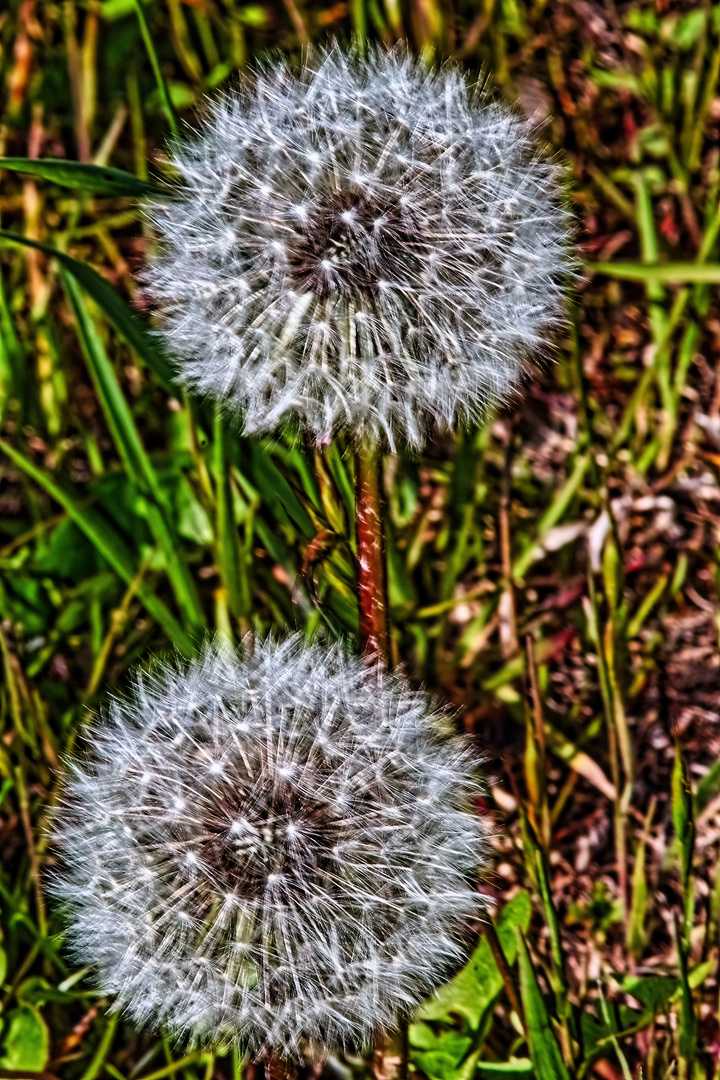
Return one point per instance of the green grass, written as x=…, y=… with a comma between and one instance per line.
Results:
x=554, y=573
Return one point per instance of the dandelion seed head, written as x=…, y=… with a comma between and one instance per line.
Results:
x=302, y=898
x=367, y=243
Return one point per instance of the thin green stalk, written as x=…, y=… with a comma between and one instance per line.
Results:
x=606, y=694
x=680, y=273
x=97, y=1062
x=157, y=70
x=229, y=557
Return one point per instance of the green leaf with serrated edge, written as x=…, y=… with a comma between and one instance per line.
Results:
x=95, y=179
x=123, y=319
x=542, y=1044
x=25, y=1042
x=479, y=983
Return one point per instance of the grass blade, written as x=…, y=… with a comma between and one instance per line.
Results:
x=132, y=452
x=684, y=825
x=687, y=1028
x=542, y=1044
x=94, y=179
x=123, y=319
x=157, y=70
x=669, y=274
x=108, y=543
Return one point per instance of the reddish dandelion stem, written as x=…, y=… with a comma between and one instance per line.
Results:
x=372, y=579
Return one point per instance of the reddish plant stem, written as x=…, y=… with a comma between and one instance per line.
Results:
x=277, y=1069
x=372, y=577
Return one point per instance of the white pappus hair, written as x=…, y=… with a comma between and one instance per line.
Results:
x=274, y=848
x=365, y=244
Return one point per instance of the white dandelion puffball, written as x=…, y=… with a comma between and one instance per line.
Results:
x=274, y=849
x=366, y=244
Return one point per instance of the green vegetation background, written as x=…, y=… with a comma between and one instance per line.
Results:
x=554, y=572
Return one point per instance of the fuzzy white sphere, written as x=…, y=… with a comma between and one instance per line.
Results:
x=274, y=849
x=367, y=244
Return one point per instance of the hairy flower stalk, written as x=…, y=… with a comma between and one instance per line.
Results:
x=374, y=616
x=365, y=244
x=273, y=849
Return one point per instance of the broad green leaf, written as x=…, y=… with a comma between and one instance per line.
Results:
x=122, y=317
x=192, y=520
x=3, y=959
x=95, y=179
x=25, y=1042
x=652, y=991
x=446, y=1056
x=68, y=555
x=452, y=1044
x=688, y=29
x=474, y=989
x=646, y=22
x=542, y=1044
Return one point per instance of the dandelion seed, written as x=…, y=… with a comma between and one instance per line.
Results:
x=303, y=898
x=412, y=214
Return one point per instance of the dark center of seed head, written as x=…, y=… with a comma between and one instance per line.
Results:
x=345, y=244
x=244, y=845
